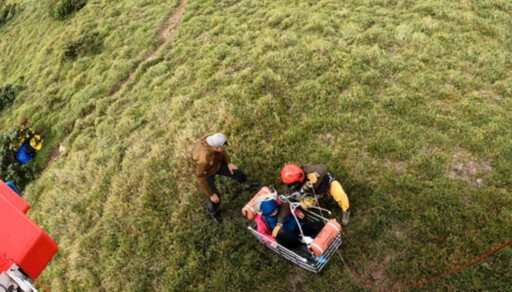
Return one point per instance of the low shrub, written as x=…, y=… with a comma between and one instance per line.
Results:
x=61, y=9
x=7, y=11
x=7, y=95
x=11, y=169
x=87, y=43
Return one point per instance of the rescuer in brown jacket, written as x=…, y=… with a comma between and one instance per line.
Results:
x=210, y=158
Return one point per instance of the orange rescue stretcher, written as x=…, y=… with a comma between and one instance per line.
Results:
x=313, y=256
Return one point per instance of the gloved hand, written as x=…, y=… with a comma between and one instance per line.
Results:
x=312, y=178
x=276, y=229
x=306, y=203
x=307, y=240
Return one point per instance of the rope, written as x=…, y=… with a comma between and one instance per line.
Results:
x=37, y=282
x=426, y=281
x=316, y=199
x=42, y=286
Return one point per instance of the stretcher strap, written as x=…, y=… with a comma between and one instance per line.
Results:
x=319, y=248
x=335, y=227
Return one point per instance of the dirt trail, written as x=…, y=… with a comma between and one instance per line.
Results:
x=166, y=33
x=169, y=30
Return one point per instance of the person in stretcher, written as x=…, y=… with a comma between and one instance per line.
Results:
x=317, y=181
x=284, y=225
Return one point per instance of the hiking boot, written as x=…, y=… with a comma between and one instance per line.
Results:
x=246, y=186
x=217, y=218
x=345, y=216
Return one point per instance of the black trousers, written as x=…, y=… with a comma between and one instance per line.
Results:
x=237, y=175
x=291, y=239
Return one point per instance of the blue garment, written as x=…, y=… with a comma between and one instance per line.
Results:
x=267, y=207
x=22, y=154
x=13, y=187
x=290, y=224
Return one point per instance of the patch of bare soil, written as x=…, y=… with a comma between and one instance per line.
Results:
x=165, y=34
x=375, y=272
x=168, y=31
x=466, y=168
x=56, y=153
x=295, y=282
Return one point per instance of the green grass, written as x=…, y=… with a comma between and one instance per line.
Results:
x=408, y=102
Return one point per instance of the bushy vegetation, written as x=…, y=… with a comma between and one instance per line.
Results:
x=61, y=9
x=11, y=169
x=8, y=93
x=86, y=43
x=407, y=102
x=7, y=11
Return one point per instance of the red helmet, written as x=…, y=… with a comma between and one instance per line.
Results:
x=292, y=173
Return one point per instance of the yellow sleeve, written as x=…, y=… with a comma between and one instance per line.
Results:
x=339, y=195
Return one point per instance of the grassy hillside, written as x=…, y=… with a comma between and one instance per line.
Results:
x=408, y=102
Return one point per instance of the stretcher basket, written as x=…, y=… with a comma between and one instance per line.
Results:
x=300, y=255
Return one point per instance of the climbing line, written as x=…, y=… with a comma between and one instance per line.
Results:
x=351, y=273
x=6, y=259
x=42, y=286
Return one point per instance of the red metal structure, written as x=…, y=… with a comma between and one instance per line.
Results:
x=25, y=249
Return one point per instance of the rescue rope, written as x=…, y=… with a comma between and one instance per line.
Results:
x=316, y=199
x=35, y=281
x=351, y=273
x=42, y=286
